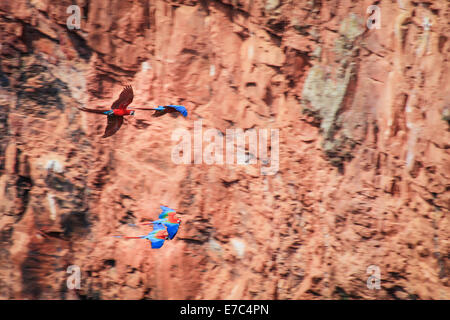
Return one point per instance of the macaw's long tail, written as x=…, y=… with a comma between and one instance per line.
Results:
x=141, y=224
x=125, y=237
x=99, y=111
x=145, y=108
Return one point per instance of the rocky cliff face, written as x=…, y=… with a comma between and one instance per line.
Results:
x=364, y=162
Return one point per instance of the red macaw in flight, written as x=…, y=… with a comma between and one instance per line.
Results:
x=117, y=112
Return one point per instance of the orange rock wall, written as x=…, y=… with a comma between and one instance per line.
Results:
x=363, y=121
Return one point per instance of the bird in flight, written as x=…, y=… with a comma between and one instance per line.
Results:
x=162, y=110
x=167, y=218
x=156, y=237
x=117, y=112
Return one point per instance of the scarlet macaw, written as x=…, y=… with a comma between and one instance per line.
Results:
x=117, y=111
x=167, y=218
x=156, y=237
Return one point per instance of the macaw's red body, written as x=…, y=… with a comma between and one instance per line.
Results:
x=172, y=218
x=122, y=112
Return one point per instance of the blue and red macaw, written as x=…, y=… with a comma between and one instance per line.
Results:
x=156, y=237
x=119, y=110
x=167, y=218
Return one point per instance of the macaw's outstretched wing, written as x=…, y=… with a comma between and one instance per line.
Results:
x=114, y=124
x=158, y=226
x=172, y=229
x=164, y=208
x=165, y=211
x=101, y=111
x=159, y=113
x=180, y=109
x=156, y=243
x=125, y=98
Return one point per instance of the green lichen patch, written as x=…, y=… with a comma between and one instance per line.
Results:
x=327, y=96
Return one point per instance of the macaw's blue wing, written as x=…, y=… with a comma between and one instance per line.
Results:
x=172, y=229
x=157, y=226
x=165, y=211
x=180, y=109
x=160, y=221
x=156, y=243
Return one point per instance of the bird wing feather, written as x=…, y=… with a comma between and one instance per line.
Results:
x=125, y=98
x=172, y=229
x=159, y=113
x=165, y=211
x=158, y=226
x=180, y=109
x=156, y=243
x=114, y=124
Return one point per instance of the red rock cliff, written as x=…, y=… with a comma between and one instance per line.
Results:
x=363, y=119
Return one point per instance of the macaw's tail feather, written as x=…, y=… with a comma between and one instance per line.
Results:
x=140, y=224
x=145, y=108
x=125, y=237
x=99, y=111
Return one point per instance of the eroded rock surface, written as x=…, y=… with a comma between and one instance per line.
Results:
x=364, y=172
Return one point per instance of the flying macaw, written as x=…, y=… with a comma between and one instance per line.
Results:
x=117, y=112
x=167, y=218
x=162, y=110
x=156, y=237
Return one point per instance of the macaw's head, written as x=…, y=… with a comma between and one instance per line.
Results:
x=173, y=218
x=163, y=234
